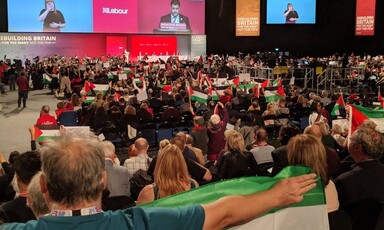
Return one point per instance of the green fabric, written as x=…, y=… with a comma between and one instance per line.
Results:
x=241, y=186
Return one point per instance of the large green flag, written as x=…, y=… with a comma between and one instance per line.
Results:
x=311, y=213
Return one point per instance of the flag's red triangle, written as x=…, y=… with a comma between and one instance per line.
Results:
x=37, y=132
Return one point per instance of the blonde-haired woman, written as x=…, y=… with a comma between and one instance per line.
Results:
x=237, y=161
x=170, y=177
x=308, y=150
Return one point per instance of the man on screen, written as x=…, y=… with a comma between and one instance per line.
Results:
x=181, y=22
x=53, y=18
x=291, y=15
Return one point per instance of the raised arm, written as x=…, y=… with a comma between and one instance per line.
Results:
x=220, y=213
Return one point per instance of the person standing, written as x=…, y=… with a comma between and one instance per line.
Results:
x=22, y=84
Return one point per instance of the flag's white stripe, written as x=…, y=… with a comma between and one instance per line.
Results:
x=269, y=93
x=380, y=124
x=295, y=218
x=100, y=87
x=50, y=133
x=200, y=95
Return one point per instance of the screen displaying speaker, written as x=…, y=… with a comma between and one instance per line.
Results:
x=291, y=12
x=107, y=16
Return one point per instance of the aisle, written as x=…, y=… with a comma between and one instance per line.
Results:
x=14, y=122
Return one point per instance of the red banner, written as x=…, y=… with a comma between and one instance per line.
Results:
x=365, y=17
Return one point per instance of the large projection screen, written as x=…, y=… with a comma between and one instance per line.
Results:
x=112, y=16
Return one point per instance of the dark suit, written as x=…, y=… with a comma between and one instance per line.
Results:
x=361, y=193
x=182, y=19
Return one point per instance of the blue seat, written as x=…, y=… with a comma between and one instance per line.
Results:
x=164, y=134
x=68, y=118
x=304, y=122
x=150, y=135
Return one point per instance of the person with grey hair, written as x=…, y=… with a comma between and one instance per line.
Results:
x=36, y=200
x=73, y=194
x=45, y=118
x=361, y=190
x=117, y=176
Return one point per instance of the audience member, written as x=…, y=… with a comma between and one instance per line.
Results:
x=279, y=155
x=117, y=176
x=170, y=177
x=361, y=191
x=237, y=161
x=141, y=161
x=333, y=160
x=63, y=187
x=199, y=134
x=35, y=199
x=26, y=166
x=262, y=151
x=45, y=118
x=197, y=151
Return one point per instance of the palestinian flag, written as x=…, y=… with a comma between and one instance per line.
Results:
x=88, y=86
x=256, y=90
x=277, y=82
x=274, y=95
x=380, y=98
x=311, y=213
x=88, y=99
x=197, y=95
x=116, y=96
x=265, y=84
x=234, y=82
x=47, y=79
x=101, y=88
x=43, y=135
x=339, y=104
x=220, y=89
x=358, y=114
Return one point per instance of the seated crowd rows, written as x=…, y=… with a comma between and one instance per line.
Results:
x=228, y=138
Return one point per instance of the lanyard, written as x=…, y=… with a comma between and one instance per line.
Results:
x=81, y=212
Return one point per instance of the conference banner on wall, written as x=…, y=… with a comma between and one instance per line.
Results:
x=248, y=18
x=365, y=17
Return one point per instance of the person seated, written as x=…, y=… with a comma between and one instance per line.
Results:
x=361, y=191
x=171, y=114
x=279, y=155
x=45, y=118
x=255, y=104
x=6, y=178
x=333, y=160
x=63, y=186
x=142, y=160
x=199, y=154
x=26, y=166
x=262, y=150
x=36, y=199
x=309, y=151
x=60, y=108
x=237, y=161
x=168, y=182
